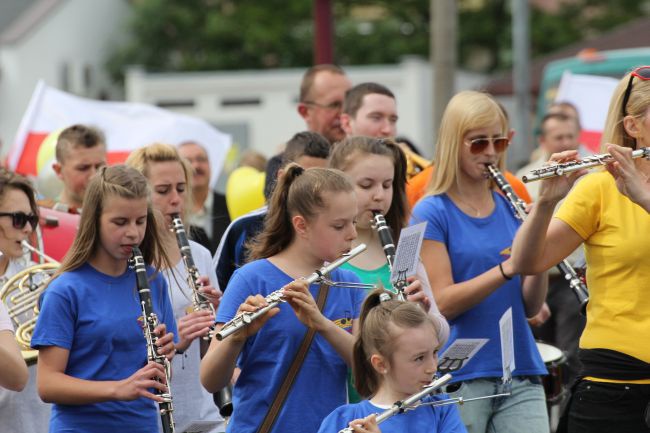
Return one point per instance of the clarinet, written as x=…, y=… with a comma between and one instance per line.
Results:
x=275, y=298
x=408, y=403
x=199, y=301
x=383, y=231
x=575, y=282
x=584, y=163
x=150, y=322
x=223, y=397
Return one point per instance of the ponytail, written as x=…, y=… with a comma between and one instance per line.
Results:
x=298, y=192
x=366, y=379
x=380, y=314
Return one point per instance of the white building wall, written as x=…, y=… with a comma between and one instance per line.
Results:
x=268, y=124
x=76, y=35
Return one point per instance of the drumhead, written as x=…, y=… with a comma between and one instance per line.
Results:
x=549, y=353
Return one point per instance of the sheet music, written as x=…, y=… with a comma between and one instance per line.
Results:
x=407, y=255
x=507, y=345
x=459, y=353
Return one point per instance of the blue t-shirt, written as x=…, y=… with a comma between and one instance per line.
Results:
x=476, y=245
x=97, y=317
x=425, y=419
x=232, y=251
x=320, y=386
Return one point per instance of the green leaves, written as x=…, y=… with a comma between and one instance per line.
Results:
x=194, y=35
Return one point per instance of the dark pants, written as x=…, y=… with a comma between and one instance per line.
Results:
x=609, y=408
x=564, y=327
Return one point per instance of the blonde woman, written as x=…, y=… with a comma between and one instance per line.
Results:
x=466, y=252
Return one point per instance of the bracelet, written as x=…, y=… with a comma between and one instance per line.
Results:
x=506, y=276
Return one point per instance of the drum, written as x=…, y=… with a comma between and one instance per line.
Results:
x=554, y=388
x=58, y=231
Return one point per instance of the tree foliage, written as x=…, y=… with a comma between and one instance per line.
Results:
x=193, y=35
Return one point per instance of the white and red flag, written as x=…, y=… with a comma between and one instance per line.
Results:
x=126, y=125
x=591, y=95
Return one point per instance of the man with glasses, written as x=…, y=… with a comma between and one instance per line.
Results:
x=322, y=92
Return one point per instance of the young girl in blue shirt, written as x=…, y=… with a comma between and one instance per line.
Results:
x=395, y=355
x=311, y=220
x=92, y=351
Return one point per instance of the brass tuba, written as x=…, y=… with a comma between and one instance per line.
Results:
x=21, y=295
x=414, y=163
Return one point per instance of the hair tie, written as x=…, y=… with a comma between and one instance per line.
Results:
x=384, y=297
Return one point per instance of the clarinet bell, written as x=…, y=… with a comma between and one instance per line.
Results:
x=223, y=401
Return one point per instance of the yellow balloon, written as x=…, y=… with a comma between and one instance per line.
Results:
x=244, y=191
x=46, y=153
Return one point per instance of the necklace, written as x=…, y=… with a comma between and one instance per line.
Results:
x=467, y=204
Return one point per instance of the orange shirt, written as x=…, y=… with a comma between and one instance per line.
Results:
x=417, y=185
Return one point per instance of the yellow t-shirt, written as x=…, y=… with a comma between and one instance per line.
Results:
x=617, y=249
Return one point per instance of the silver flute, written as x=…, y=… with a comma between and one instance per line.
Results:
x=275, y=298
x=575, y=282
x=199, y=301
x=584, y=163
x=408, y=403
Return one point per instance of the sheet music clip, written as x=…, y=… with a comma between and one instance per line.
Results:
x=507, y=381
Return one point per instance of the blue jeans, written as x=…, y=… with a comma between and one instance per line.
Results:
x=523, y=411
x=598, y=407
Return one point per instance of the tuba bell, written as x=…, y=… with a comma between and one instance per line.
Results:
x=21, y=294
x=414, y=163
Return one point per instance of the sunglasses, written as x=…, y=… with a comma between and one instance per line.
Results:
x=642, y=73
x=478, y=145
x=20, y=219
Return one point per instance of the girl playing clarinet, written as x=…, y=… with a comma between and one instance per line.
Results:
x=169, y=179
x=92, y=352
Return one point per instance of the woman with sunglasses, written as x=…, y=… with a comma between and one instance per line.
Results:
x=24, y=411
x=614, y=392
x=466, y=252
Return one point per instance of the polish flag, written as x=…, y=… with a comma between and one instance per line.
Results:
x=126, y=125
x=591, y=94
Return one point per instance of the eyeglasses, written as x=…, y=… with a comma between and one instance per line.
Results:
x=332, y=106
x=478, y=145
x=20, y=219
x=642, y=73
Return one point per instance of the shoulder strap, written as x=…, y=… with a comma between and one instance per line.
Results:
x=283, y=392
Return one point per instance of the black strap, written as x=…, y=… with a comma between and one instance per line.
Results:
x=283, y=392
